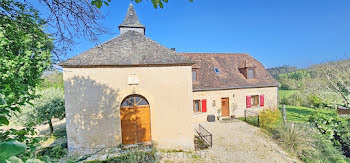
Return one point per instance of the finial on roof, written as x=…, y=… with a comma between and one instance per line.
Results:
x=131, y=22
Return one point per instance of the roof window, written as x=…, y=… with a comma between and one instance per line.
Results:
x=216, y=70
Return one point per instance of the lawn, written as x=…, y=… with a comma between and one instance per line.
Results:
x=285, y=93
x=300, y=114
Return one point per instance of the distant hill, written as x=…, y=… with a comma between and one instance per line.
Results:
x=275, y=71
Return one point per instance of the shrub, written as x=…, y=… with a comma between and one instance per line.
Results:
x=308, y=144
x=53, y=152
x=334, y=128
x=269, y=117
x=293, y=137
x=322, y=151
x=303, y=99
x=131, y=156
x=315, y=101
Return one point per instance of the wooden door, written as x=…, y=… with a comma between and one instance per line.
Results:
x=225, y=107
x=135, y=123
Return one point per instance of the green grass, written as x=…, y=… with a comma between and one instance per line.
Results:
x=285, y=93
x=300, y=114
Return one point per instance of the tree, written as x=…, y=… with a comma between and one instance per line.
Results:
x=275, y=71
x=24, y=55
x=294, y=80
x=337, y=79
x=68, y=19
x=50, y=105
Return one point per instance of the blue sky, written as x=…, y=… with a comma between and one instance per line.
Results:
x=275, y=32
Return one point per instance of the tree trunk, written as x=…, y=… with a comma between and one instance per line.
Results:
x=51, y=127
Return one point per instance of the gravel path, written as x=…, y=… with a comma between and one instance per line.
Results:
x=238, y=141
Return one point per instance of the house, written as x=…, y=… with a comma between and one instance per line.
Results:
x=227, y=84
x=128, y=90
x=132, y=90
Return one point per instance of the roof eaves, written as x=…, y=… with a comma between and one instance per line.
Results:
x=239, y=87
x=139, y=65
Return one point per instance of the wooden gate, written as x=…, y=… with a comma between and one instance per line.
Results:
x=135, y=120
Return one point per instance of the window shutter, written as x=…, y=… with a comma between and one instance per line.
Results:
x=204, y=105
x=249, y=101
x=262, y=100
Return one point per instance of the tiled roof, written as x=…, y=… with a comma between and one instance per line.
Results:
x=229, y=65
x=128, y=49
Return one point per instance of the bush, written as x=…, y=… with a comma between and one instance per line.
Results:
x=294, y=138
x=303, y=99
x=334, y=128
x=322, y=151
x=308, y=144
x=297, y=99
x=54, y=152
x=131, y=156
x=315, y=101
x=269, y=117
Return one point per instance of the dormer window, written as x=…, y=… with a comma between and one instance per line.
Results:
x=194, y=75
x=216, y=70
x=250, y=74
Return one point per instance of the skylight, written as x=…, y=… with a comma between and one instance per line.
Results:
x=216, y=70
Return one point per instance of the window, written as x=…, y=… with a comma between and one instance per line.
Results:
x=250, y=74
x=194, y=75
x=216, y=70
x=134, y=100
x=255, y=100
x=196, y=106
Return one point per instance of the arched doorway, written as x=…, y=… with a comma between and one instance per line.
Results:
x=135, y=120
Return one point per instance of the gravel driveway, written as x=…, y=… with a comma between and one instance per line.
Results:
x=237, y=141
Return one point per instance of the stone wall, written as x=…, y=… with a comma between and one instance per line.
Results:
x=237, y=101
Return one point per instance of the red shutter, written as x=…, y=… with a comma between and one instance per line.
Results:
x=204, y=105
x=262, y=102
x=249, y=102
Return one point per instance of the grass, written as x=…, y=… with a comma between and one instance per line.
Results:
x=300, y=114
x=285, y=93
x=296, y=114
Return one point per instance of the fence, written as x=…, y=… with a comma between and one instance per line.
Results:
x=205, y=135
x=252, y=117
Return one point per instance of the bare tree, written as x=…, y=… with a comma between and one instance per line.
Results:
x=71, y=19
x=337, y=77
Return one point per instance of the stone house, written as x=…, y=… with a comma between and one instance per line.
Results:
x=132, y=90
x=227, y=84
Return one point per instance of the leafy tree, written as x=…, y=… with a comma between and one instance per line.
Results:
x=50, y=105
x=275, y=71
x=294, y=80
x=24, y=55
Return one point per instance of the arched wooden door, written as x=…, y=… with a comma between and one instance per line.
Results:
x=135, y=120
